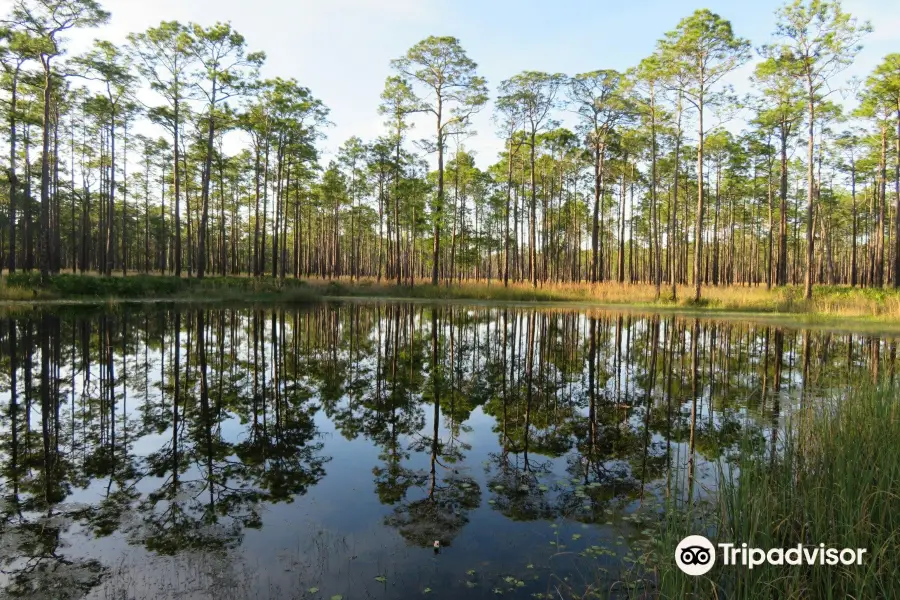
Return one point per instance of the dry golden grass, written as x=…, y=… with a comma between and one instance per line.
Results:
x=828, y=301
x=16, y=294
x=836, y=301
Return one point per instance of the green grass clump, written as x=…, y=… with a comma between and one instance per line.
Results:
x=835, y=480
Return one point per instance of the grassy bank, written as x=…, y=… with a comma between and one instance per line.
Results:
x=834, y=302
x=26, y=287
x=834, y=480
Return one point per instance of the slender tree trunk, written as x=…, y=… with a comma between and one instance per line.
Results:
x=879, y=235
x=206, y=176
x=853, y=252
x=146, y=214
x=509, y=185
x=45, y=174
x=439, y=202
x=897, y=204
x=657, y=279
x=177, y=183
x=396, y=193
x=781, y=279
x=810, y=194
x=111, y=199
x=698, y=226
x=256, y=178
x=532, y=239
x=28, y=232
x=55, y=236
x=770, y=235
x=13, y=178
x=125, y=200
x=674, y=216
x=620, y=263
x=599, y=153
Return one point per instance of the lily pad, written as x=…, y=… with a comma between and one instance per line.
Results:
x=313, y=590
x=381, y=579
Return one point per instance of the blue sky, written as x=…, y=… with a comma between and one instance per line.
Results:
x=341, y=49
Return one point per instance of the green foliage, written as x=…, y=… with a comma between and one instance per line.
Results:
x=817, y=41
x=700, y=51
x=835, y=481
x=881, y=96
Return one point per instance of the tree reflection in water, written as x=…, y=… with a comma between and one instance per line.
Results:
x=178, y=430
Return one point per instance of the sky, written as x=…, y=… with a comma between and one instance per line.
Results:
x=341, y=49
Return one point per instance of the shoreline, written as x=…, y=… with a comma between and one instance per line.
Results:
x=844, y=308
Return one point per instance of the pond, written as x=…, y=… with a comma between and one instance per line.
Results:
x=179, y=451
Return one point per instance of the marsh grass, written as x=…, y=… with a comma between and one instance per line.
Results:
x=27, y=286
x=835, y=478
x=838, y=301
x=828, y=301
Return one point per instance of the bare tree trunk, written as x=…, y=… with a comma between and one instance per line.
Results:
x=698, y=225
x=897, y=205
x=205, y=177
x=854, y=225
x=45, y=175
x=177, y=180
x=13, y=178
x=509, y=185
x=439, y=202
x=810, y=196
x=781, y=278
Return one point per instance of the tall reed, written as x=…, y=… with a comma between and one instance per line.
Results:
x=834, y=478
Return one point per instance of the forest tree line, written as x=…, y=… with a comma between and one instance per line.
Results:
x=647, y=185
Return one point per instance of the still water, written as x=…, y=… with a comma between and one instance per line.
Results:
x=172, y=451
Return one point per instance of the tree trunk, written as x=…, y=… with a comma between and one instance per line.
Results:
x=599, y=152
x=653, y=194
x=439, y=202
x=13, y=178
x=509, y=185
x=783, y=227
x=532, y=239
x=897, y=205
x=853, y=257
x=177, y=180
x=810, y=195
x=879, y=235
x=45, y=175
x=206, y=176
x=125, y=200
x=698, y=225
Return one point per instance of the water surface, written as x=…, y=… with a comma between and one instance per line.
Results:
x=170, y=451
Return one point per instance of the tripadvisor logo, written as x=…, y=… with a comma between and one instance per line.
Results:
x=696, y=555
